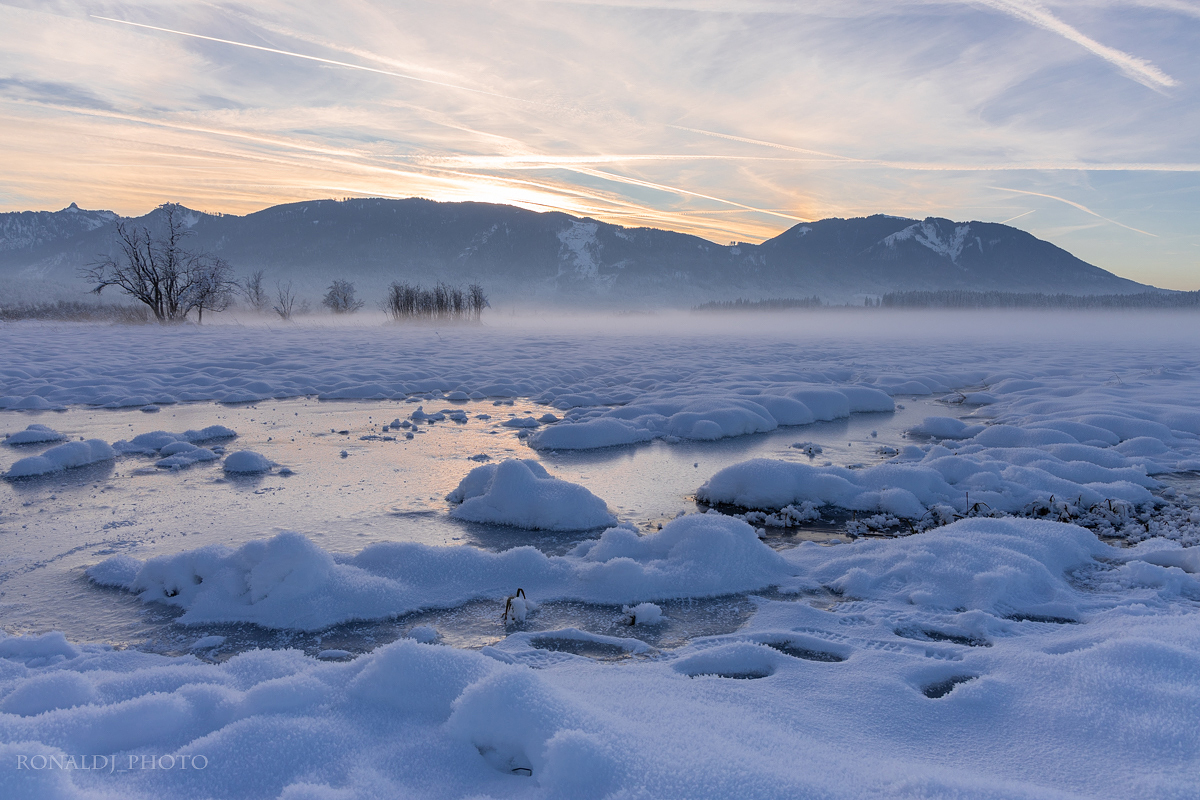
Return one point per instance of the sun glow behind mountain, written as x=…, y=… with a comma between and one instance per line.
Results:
x=729, y=121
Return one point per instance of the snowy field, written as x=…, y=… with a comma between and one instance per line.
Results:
x=829, y=555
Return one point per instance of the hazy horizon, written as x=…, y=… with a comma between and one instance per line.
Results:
x=728, y=121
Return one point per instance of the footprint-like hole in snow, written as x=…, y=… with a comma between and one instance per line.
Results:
x=789, y=648
x=933, y=635
x=746, y=675
x=1042, y=618
x=580, y=647
x=943, y=688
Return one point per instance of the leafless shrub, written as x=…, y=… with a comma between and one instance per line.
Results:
x=441, y=303
x=285, y=301
x=252, y=289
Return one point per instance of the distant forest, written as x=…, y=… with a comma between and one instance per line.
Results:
x=778, y=304
x=963, y=299
x=953, y=298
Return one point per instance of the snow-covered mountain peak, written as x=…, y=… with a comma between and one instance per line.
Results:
x=928, y=233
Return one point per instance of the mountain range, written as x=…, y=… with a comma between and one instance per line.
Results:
x=520, y=255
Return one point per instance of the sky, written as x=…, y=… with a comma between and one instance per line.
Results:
x=1076, y=121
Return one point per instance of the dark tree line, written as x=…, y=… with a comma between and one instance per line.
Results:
x=776, y=304
x=442, y=302
x=965, y=299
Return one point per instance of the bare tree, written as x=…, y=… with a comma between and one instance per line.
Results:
x=213, y=288
x=285, y=301
x=252, y=289
x=340, y=298
x=158, y=271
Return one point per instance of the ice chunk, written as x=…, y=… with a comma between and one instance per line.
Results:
x=521, y=422
x=207, y=643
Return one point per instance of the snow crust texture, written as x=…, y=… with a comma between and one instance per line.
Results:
x=996, y=648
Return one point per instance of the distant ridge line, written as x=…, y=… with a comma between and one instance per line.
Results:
x=967, y=299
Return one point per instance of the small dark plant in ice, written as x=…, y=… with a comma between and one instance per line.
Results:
x=516, y=608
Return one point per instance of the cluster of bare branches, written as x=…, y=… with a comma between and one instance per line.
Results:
x=162, y=273
x=340, y=298
x=256, y=295
x=442, y=302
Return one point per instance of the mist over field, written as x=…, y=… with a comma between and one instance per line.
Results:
x=618, y=400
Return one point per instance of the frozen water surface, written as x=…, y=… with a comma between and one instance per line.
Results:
x=326, y=628
x=386, y=488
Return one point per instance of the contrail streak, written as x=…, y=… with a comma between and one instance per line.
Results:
x=1018, y=216
x=1139, y=69
x=306, y=57
x=1076, y=205
x=675, y=190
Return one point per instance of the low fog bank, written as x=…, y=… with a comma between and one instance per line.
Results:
x=1174, y=328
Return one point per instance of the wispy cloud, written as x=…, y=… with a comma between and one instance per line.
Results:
x=730, y=119
x=305, y=57
x=1034, y=13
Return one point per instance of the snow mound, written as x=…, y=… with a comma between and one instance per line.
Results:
x=34, y=434
x=64, y=456
x=247, y=462
x=31, y=403
x=288, y=582
x=183, y=454
x=708, y=417
x=1005, y=479
x=522, y=494
x=154, y=441
x=1006, y=567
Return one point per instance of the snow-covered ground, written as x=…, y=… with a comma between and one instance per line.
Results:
x=823, y=555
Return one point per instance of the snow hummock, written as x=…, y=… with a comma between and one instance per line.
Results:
x=154, y=441
x=64, y=456
x=708, y=417
x=521, y=493
x=247, y=462
x=34, y=434
x=289, y=582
